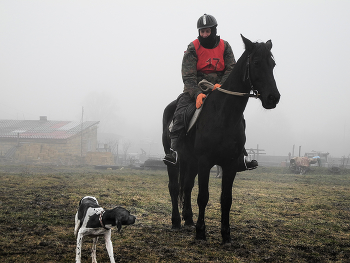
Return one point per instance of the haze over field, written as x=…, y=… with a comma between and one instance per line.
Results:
x=121, y=62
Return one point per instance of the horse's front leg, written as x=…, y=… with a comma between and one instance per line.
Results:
x=202, y=200
x=228, y=177
x=189, y=172
x=173, y=186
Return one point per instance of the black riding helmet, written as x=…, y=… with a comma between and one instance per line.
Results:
x=207, y=21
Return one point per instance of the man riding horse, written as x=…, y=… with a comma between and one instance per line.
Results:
x=206, y=58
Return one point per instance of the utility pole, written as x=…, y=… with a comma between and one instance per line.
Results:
x=81, y=134
x=117, y=153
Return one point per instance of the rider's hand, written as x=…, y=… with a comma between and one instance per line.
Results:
x=199, y=100
x=217, y=85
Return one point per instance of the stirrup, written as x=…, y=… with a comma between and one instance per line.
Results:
x=171, y=162
x=255, y=165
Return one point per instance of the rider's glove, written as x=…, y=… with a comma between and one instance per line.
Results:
x=199, y=100
x=216, y=86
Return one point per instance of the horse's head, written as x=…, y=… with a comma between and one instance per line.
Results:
x=259, y=72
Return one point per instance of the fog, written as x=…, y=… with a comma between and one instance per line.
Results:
x=119, y=62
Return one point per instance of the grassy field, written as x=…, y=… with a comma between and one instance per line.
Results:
x=276, y=216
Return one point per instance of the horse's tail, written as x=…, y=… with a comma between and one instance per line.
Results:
x=175, y=182
x=167, y=118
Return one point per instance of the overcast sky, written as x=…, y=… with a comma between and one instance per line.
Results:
x=121, y=61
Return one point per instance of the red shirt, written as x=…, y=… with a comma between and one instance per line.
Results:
x=210, y=60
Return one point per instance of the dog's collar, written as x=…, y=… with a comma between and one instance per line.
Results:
x=100, y=218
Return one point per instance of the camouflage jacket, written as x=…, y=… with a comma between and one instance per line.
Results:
x=191, y=76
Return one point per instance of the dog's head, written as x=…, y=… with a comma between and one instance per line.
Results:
x=122, y=217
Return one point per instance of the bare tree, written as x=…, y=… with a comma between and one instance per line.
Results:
x=126, y=146
x=103, y=107
x=114, y=145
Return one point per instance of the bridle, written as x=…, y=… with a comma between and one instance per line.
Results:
x=246, y=76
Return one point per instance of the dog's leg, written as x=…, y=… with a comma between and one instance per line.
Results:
x=78, y=250
x=93, y=251
x=77, y=224
x=109, y=245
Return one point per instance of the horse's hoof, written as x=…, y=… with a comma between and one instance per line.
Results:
x=226, y=241
x=199, y=242
x=175, y=222
x=200, y=232
x=176, y=227
x=226, y=244
x=201, y=238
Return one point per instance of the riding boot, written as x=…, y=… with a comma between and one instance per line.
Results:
x=251, y=165
x=171, y=158
x=244, y=165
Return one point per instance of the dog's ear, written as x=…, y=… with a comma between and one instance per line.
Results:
x=118, y=224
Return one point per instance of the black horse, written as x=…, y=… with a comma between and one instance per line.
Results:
x=219, y=137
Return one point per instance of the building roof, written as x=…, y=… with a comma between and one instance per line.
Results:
x=42, y=129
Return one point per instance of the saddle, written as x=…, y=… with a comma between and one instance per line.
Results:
x=190, y=117
x=191, y=113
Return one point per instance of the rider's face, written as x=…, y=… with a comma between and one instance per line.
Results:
x=205, y=32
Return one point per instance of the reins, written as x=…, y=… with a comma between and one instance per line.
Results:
x=205, y=85
x=255, y=93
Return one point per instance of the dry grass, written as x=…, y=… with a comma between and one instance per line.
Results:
x=275, y=217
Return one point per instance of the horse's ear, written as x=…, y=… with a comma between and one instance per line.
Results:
x=248, y=44
x=269, y=44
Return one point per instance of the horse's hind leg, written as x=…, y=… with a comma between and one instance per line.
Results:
x=174, y=194
x=228, y=177
x=190, y=172
x=173, y=171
